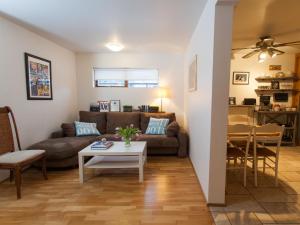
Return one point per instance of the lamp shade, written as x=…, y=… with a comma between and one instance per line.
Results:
x=163, y=93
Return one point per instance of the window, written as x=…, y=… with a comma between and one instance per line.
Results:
x=131, y=78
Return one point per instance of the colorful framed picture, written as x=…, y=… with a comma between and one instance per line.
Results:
x=38, y=78
x=240, y=78
x=104, y=106
x=193, y=75
x=115, y=105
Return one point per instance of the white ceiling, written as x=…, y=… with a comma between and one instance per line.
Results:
x=87, y=25
x=277, y=18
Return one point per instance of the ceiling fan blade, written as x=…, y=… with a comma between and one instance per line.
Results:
x=287, y=44
x=277, y=51
x=235, y=49
x=250, y=54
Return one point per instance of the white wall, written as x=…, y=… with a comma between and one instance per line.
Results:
x=170, y=68
x=206, y=108
x=287, y=61
x=35, y=119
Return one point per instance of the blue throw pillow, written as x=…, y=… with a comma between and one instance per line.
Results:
x=86, y=129
x=157, y=126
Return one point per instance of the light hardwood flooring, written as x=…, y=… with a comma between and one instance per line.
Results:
x=265, y=204
x=169, y=195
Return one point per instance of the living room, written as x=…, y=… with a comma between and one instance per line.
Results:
x=91, y=55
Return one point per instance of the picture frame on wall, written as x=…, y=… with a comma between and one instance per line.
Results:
x=104, y=106
x=192, y=79
x=115, y=105
x=240, y=78
x=38, y=78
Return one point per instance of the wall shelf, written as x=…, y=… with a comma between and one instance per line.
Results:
x=269, y=79
x=276, y=90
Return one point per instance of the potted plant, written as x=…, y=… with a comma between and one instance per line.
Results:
x=127, y=133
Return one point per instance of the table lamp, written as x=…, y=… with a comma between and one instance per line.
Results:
x=163, y=93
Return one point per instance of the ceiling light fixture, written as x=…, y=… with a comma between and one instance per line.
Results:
x=262, y=56
x=115, y=47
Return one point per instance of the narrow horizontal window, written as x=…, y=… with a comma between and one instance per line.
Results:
x=131, y=78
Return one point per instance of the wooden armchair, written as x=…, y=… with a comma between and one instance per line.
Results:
x=13, y=160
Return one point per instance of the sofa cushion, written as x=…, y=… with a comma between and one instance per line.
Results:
x=160, y=141
x=145, y=117
x=86, y=129
x=172, y=129
x=121, y=119
x=62, y=148
x=157, y=126
x=68, y=129
x=94, y=117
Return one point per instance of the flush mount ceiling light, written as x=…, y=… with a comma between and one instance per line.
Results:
x=266, y=46
x=114, y=46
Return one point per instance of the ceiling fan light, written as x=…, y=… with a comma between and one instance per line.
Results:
x=262, y=55
x=261, y=60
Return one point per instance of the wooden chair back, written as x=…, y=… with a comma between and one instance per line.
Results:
x=238, y=119
x=6, y=132
x=269, y=133
x=239, y=132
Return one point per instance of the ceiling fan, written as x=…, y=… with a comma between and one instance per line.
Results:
x=265, y=47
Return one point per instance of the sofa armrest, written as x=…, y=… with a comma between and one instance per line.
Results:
x=183, y=140
x=57, y=134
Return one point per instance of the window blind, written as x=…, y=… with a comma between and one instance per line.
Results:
x=126, y=74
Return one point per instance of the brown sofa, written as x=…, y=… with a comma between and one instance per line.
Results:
x=63, y=147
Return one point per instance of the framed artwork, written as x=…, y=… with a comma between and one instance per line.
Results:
x=274, y=67
x=104, y=106
x=115, y=105
x=275, y=84
x=193, y=75
x=232, y=101
x=240, y=78
x=38, y=78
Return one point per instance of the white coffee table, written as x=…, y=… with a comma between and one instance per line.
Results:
x=117, y=156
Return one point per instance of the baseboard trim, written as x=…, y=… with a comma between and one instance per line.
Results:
x=215, y=205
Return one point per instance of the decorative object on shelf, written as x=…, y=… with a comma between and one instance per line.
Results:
x=94, y=107
x=274, y=67
x=193, y=75
x=163, y=94
x=127, y=133
x=104, y=106
x=127, y=108
x=240, y=78
x=279, y=75
x=249, y=101
x=115, y=105
x=275, y=84
x=38, y=78
x=264, y=87
x=153, y=109
x=232, y=101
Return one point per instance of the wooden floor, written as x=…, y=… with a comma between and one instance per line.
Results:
x=169, y=195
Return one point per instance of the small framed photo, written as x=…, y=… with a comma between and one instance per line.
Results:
x=38, y=78
x=115, y=105
x=275, y=84
x=240, y=78
x=232, y=101
x=104, y=106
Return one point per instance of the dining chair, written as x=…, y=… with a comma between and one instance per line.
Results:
x=239, y=137
x=15, y=161
x=266, y=134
